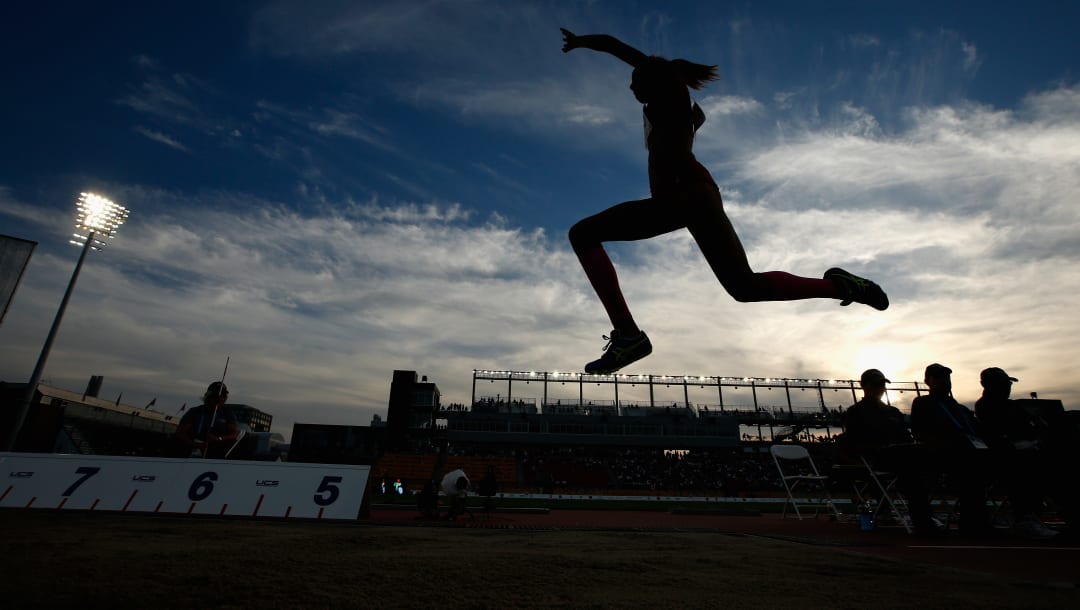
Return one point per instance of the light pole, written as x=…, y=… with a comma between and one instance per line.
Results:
x=96, y=216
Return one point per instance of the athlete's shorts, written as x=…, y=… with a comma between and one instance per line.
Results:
x=668, y=182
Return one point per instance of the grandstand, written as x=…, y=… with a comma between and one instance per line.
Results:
x=413, y=469
x=667, y=411
x=547, y=431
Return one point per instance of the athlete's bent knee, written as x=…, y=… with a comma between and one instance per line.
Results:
x=582, y=237
x=743, y=295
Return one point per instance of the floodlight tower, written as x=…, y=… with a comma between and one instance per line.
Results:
x=97, y=216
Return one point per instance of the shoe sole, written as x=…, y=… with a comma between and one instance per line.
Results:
x=608, y=371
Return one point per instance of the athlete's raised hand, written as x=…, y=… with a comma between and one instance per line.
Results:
x=570, y=41
x=604, y=44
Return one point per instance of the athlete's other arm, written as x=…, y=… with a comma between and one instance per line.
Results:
x=227, y=429
x=605, y=44
x=185, y=430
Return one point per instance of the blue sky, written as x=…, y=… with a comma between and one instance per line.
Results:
x=328, y=191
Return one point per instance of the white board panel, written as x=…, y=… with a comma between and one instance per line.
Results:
x=184, y=486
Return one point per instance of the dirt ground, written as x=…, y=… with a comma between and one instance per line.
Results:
x=52, y=559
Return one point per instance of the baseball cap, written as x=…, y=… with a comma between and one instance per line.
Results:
x=873, y=376
x=995, y=374
x=935, y=370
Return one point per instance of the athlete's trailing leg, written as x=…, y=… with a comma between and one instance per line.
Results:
x=714, y=234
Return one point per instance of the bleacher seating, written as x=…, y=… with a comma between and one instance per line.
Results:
x=575, y=475
x=415, y=469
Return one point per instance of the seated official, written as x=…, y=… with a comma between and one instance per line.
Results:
x=1016, y=437
x=949, y=432
x=870, y=424
x=1005, y=424
x=208, y=430
x=876, y=431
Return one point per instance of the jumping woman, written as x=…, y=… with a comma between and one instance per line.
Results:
x=683, y=195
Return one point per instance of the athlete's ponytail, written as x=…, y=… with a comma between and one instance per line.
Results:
x=695, y=75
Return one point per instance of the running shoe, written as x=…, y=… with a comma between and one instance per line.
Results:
x=857, y=290
x=619, y=352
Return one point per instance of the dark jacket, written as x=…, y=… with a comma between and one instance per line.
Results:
x=871, y=424
x=943, y=423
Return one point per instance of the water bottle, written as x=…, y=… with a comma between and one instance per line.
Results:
x=866, y=517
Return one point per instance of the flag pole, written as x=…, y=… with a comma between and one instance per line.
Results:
x=213, y=414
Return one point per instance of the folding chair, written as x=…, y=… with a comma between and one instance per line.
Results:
x=801, y=469
x=948, y=506
x=886, y=495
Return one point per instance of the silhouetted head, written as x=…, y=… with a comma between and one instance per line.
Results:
x=650, y=78
x=995, y=381
x=873, y=383
x=215, y=391
x=939, y=378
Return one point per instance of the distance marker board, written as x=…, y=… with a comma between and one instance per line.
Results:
x=182, y=486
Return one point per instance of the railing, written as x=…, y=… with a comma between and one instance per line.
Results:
x=131, y=420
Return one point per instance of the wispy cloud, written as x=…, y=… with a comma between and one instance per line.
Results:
x=348, y=125
x=176, y=102
x=972, y=61
x=161, y=138
x=163, y=99
x=339, y=27
x=730, y=104
x=862, y=41
x=588, y=114
x=448, y=59
x=325, y=122
x=15, y=208
x=437, y=32
x=961, y=159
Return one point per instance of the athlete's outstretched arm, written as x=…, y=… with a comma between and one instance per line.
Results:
x=604, y=44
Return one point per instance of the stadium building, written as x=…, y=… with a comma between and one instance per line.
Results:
x=62, y=421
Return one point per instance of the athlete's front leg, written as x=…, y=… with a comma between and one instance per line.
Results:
x=629, y=221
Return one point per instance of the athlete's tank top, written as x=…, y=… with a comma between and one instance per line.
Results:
x=697, y=119
x=666, y=174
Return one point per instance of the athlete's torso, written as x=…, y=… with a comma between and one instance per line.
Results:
x=670, y=123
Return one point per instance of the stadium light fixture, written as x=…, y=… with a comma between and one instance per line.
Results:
x=97, y=216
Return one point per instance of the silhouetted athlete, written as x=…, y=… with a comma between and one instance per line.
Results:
x=683, y=195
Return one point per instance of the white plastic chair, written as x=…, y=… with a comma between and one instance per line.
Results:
x=802, y=470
